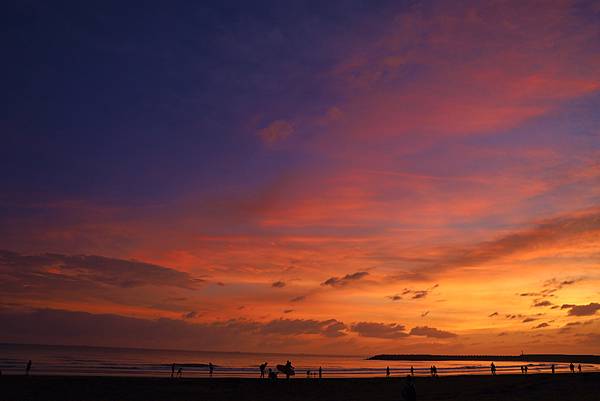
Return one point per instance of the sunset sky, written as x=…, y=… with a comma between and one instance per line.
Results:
x=347, y=177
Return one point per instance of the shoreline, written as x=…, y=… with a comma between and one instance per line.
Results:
x=578, y=386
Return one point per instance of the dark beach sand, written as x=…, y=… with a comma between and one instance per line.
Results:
x=581, y=387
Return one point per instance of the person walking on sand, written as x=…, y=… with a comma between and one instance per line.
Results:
x=172, y=371
x=180, y=373
x=263, y=368
x=493, y=368
x=579, y=368
x=552, y=368
x=435, y=370
x=28, y=368
x=572, y=367
x=387, y=372
x=211, y=368
x=408, y=392
x=412, y=371
x=320, y=372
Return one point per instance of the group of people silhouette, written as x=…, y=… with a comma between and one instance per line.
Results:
x=572, y=368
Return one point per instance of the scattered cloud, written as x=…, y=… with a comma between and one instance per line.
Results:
x=541, y=326
x=538, y=303
x=582, y=310
x=52, y=270
x=348, y=278
x=395, y=297
x=431, y=332
x=299, y=298
x=278, y=284
x=379, y=330
x=418, y=294
x=493, y=314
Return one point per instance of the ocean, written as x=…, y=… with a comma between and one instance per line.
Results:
x=78, y=360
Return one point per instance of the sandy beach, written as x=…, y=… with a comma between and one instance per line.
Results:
x=580, y=387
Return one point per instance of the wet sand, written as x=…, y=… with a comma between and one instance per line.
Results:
x=580, y=387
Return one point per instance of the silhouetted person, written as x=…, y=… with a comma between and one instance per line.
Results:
x=288, y=369
x=211, y=368
x=431, y=370
x=435, y=370
x=320, y=372
x=493, y=368
x=412, y=371
x=28, y=368
x=408, y=392
x=572, y=367
x=172, y=371
x=526, y=369
x=263, y=368
x=387, y=372
x=522, y=370
x=553, y=369
x=180, y=372
x=579, y=368
x=272, y=375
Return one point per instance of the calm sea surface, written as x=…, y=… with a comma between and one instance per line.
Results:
x=72, y=360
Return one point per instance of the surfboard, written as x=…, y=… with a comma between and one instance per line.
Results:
x=283, y=369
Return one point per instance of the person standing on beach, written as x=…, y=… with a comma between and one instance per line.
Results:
x=572, y=367
x=412, y=371
x=387, y=372
x=263, y=368
x=180, y=372
x=493, y=368
x=172, y=371
x=552, y=368
x=28, y=368
x=211, y=368
x=579, y=368
x=320, y=372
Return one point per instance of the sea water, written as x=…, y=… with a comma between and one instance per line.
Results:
x=78, y=360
